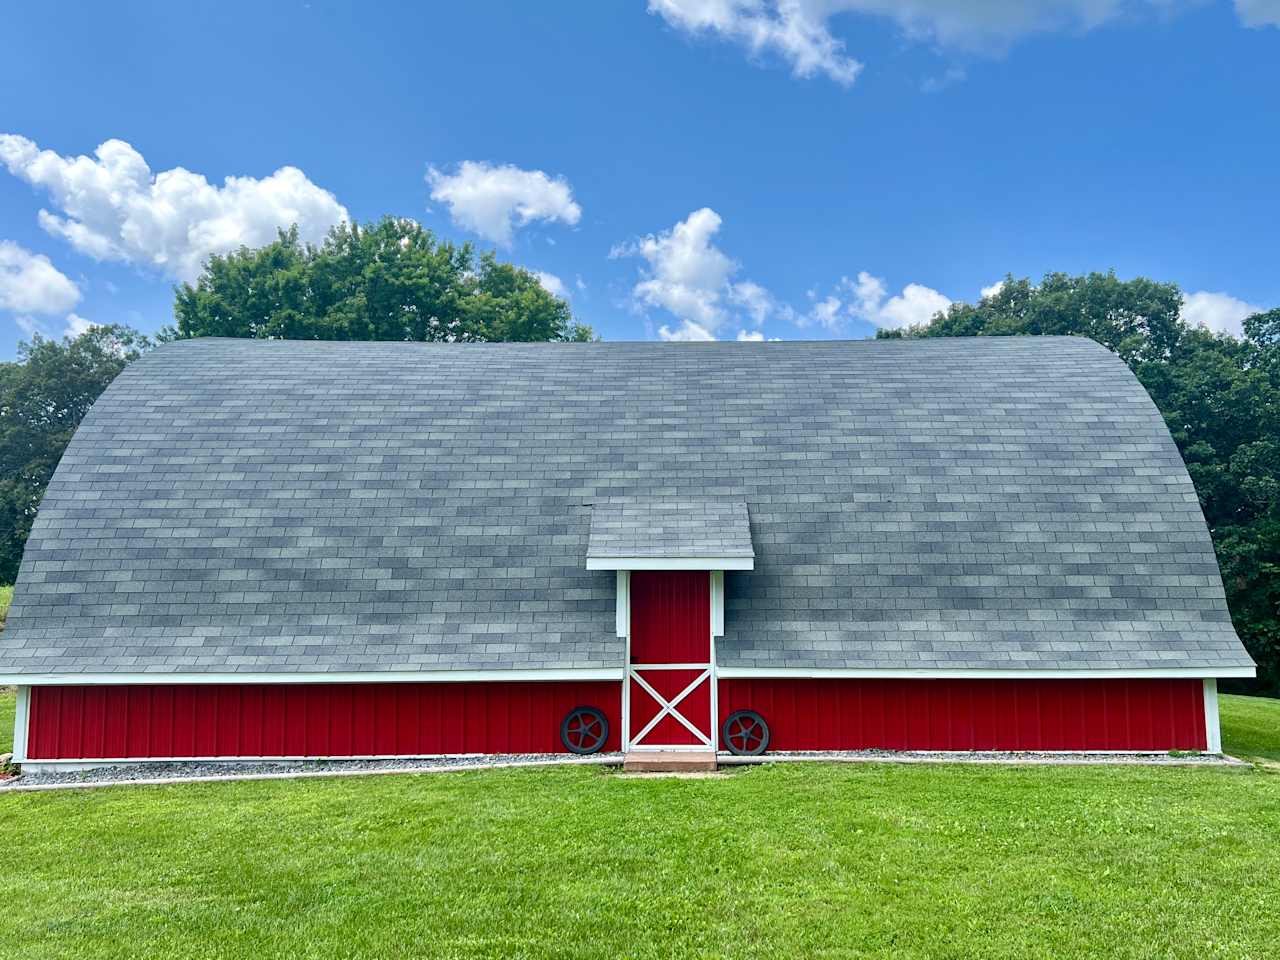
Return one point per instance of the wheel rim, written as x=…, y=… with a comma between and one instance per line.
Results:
x=584, y=730
x=746, y=733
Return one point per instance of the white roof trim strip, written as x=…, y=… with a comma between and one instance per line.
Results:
x=814, y=673
x=426, y=676
x=722, y=673
x=671, y=563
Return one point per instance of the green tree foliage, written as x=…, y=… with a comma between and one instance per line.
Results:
x=390, y=280
x=43, y=398
x=1220, y=396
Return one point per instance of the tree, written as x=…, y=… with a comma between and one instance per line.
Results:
x=43, y=398
x=1219, y=395
x=392, y=280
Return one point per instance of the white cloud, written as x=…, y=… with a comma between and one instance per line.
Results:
x=30, y=283
x=750, y=336
x=114, y=208
x=991, y=291
x=688, y=331
x=28, y=325
x=691, y=278
x=867, y=298
x=795, y=30
x=800, y=31
x=1258, y=13
x=493, y=201
x=1218, y=312
x=76, y=325
x=552, y=284
x=754, y=299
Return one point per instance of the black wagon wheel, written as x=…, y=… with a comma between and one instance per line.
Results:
x=584, y=730
x=745, y=733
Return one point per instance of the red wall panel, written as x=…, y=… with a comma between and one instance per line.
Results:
x=865, y=714
x=310, y=720
x=670, y=616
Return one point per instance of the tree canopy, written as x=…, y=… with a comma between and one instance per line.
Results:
x=390, y=280
x=1219, y=395
x=43, y=398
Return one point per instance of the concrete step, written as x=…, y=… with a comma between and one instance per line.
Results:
x=668, y=761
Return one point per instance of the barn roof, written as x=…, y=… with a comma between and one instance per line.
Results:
x=629, y=533
x=234, y=506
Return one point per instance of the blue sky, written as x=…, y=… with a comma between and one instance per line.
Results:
x=680, y=168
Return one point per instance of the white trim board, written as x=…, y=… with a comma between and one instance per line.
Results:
x=606, y=673
x=21, y=724
x=1212, y=728
x=820, y=673
x=671, y=563
x=425, y=676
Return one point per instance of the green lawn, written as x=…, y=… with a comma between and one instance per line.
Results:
x=781, y=861
x=8, y=702
x=1250, y=726
x=790, y=860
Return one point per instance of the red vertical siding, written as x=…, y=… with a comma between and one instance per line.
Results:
x=310, y=720
x=670, y=616
x=864, y=714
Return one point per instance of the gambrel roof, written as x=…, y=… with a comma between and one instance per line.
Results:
x=237, y=506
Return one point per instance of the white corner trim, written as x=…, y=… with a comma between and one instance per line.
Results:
x=424, y=676
x=21, y=723
x=717, y=603
x=622, y=605
x=1212, y=727
x=671, y=563
x=933, y=673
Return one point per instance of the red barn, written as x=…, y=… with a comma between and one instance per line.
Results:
x=268, y=549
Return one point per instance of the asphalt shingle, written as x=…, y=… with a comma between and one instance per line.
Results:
x=257, y=506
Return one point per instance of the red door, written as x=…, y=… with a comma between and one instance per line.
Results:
x=669, y=676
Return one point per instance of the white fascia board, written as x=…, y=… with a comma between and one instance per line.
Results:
x=818, y=673
x=430, y=676
x=671, y=563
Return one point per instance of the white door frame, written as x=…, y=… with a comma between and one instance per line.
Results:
x=707, y=674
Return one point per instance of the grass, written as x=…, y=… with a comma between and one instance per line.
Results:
x=8, y=705
x=790, y=860
x=1250, y=726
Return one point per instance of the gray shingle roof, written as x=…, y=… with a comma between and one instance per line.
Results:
x=669, y=527
x=234, y=505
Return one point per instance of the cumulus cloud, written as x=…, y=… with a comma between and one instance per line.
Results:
x=552, y=284
x=494, y=201
x=687, y=275
x=30, y=283
x=1219, y=312
x=750, y=336
x=112, y=207
x=800, y=31
x=866, y=298
x=991, y=291
x=796, y=31
x=1258, y=13
x=76, y=325
x=687, y=332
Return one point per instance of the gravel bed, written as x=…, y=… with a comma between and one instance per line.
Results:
x=993, y=756
x=134, y=772
x=162, y=772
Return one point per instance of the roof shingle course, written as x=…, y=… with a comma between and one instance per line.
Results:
x=257, y=506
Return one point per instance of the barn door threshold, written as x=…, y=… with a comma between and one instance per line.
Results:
x=668, y=761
